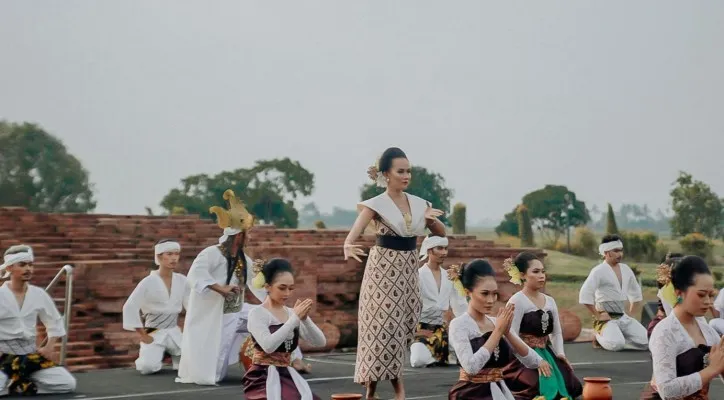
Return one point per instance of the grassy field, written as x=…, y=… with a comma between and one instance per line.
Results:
x=559, y=263
x=566, y=293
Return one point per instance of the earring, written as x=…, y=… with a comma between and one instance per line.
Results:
x=679, y=300
x=388, y=179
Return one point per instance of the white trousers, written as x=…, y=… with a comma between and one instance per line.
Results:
x=420, y=355
x=150, y=356
x=621, y=333
x=49, y=381
x=718, y=325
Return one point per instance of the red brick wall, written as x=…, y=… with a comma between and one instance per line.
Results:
x=111, y=254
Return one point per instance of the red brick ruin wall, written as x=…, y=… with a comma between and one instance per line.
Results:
x=112, y=253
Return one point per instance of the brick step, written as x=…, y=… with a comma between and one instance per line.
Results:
x=86, y=334
x=92, y=363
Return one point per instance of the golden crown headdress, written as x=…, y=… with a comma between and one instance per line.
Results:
x=236, y=217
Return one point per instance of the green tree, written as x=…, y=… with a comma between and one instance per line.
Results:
x=547, y=208
x=38, y=173
x=697, y=209
x=457, y=219
x=426, y=184
x=525, y=227
x=509, y=224
x=611, y=227
x=268, y=190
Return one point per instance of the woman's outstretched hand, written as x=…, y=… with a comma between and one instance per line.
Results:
x=354, y=251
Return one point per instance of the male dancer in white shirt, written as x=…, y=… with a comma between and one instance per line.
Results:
x=608, y=286
x=431, y=346
x=160, y=297
x=24, y=368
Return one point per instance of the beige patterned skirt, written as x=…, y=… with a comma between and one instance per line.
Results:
x=389, y=309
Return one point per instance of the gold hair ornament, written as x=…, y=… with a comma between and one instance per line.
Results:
x=373, y=172
x=663, y=277
x=515, y=276
x=236, y=217
x=453, y=273
x=258, y=282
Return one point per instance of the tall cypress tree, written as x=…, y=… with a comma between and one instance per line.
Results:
x=611, y=227
x=458, y=218
x=525, y=228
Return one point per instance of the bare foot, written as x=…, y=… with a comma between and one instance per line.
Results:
x=301, y=367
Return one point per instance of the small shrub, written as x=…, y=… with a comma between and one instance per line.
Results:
x=640, y=246
x=661, y=251
x=177, y=210
x=584, y=242
x=320, y=224
x=717, y=275
x=698, y=245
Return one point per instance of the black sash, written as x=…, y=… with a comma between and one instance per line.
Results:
x=397, y=242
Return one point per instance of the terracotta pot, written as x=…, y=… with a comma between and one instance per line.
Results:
x=346, y=396
x=571, y=325
x=597, y=388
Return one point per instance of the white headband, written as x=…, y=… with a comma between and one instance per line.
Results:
x=604, y=247
x=12, y=259
x=229, y=232
x=431, y=242
x=165, y=247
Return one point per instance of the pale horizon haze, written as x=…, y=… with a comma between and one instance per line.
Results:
x=611, y=99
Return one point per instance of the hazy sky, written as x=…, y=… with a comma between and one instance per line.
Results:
x=610, y=98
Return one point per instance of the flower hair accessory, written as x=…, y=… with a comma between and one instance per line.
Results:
x=663, y=277
x=453, y=273
x=376, y=176
x=258, y=282
x=515, y=276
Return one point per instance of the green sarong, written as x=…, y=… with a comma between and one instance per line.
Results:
x=554, y=386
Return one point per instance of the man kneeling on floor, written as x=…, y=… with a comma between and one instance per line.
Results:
x=24, y=368
x=430, y=347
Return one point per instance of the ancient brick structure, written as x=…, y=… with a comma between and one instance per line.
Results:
x=112, y=253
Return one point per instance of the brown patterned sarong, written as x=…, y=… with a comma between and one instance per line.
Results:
x=389, y=309
x=19, y=369
x=599, y=325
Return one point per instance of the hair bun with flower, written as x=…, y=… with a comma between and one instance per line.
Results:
x=258, y=269
x=663, y=277
x=515, y=276
x=376, y=176
x=454, y=272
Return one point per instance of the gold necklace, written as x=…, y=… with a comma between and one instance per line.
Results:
x=408, y=221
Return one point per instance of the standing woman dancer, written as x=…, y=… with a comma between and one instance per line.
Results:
x=390, y=304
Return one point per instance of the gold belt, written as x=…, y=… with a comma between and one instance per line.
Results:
x=486, y=375
x=278, y=359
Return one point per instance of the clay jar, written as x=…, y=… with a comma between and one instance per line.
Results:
x=597, y=388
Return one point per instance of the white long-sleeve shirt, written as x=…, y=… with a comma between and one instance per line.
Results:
x=602, y=286
x=152, y=298
x=436, y=302
x=668, y=340
x=463, y=329
x=524, y=305
x=18, y=324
